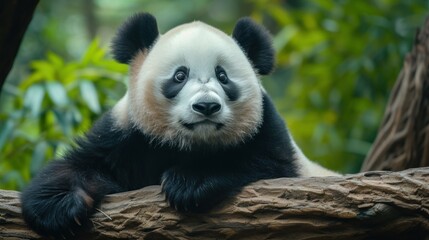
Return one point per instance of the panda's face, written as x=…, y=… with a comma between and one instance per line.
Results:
x=195, y=87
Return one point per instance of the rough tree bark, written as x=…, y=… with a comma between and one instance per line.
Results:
x=15, y=15
x=403, y=139
x=393, y=205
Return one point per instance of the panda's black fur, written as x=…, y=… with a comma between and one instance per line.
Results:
x=60, y=200
x=139, y=32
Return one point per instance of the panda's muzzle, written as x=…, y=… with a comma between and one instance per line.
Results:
x=206, y=108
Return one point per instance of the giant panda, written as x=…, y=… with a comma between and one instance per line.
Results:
x=195, y=119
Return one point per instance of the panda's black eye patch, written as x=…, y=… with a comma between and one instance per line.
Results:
x=173, y=86
x=228, y=86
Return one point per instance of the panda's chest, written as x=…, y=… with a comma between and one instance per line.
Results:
x=144, y=163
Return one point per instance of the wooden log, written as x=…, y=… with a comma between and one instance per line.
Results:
x=371, y=205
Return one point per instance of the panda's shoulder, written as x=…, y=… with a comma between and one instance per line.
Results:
x=103, y=138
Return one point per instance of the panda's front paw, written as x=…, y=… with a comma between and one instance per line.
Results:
x=181, y=192
x=63, y=215
x=191, y=193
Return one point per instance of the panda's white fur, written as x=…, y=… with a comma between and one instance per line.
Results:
x=308, y=168
x=158, y=131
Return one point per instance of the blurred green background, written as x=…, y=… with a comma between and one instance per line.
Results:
x=336, y=63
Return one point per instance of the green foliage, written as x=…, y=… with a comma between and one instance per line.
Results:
x=54, y=104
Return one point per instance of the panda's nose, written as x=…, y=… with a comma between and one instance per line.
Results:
x=206, y=108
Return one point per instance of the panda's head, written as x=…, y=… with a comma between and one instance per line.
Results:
x=194, y=85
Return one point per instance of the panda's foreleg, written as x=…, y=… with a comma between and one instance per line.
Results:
x=60, y=200
x=198, y=190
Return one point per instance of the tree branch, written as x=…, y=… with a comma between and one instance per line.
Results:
x=361, y=206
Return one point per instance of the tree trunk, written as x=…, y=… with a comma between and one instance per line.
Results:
x=367, y=205
x=403, y=139
x=15, y=15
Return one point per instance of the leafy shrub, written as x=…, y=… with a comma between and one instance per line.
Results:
x=58, y=101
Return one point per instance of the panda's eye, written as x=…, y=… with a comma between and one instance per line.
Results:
x=180, y=76
x=221, y=75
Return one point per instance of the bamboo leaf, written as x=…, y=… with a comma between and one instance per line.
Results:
x=33, y=99
x=57, y=93
x=90, y=96
x=55, y=60
x=38, y=157
x=91, y=51
x=64, y=122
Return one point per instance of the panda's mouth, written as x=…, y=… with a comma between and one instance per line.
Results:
x=191, y=126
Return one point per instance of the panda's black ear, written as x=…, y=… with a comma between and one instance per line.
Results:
x=257, y=44
x=138, y=33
